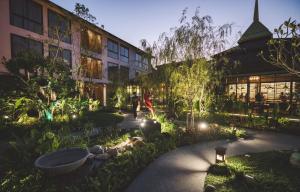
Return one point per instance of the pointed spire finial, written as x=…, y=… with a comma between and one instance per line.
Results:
x=256, y=13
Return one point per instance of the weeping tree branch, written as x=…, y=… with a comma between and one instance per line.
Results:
x=284, y=51
x=186, y=49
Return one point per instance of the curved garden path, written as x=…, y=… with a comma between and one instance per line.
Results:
x=184, y=169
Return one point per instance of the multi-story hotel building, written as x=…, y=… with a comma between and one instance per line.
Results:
x=37, y=24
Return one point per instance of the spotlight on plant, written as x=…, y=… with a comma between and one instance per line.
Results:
x=203, y=125
x=74, y=116
x=5, y=117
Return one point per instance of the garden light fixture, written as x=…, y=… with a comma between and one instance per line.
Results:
x=220, y=154
x=203, y=125
x=5, y=117
x=74, y=116
x=143, y=122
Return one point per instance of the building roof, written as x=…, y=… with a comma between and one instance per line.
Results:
x=92, y=25
x=256, y=30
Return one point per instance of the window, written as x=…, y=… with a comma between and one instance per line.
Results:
x=268, y=91
x=64, y=54
x=26, y=14
x=59, y=27
x=118, y=73
x=124, y=54
x=91, y=41
x=241, y=91
x=273, y=91
x=92, y=68
x=124, y=74
x=138, y=59
x=20, y=44
x=254, y=89
x=134, y=89
x=113, y=49
x=113, y=72
x=145, y=63
x=232, y=91
x=282, y=88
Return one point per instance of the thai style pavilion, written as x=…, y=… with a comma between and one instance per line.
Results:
x=251, y=74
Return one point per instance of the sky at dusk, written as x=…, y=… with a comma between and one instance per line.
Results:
x=133, y=20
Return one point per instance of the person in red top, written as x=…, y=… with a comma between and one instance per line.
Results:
x=148, y=102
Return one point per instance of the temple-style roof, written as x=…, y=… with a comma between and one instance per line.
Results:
x=256, y=30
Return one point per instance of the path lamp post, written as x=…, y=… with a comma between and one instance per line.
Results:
x=220, y=154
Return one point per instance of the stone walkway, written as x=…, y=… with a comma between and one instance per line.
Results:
x=184, y=169
x=130, y=122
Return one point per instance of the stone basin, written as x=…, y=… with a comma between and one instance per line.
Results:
x=295, y=159
x=62, y=161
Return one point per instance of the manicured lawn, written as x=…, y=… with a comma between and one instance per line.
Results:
x=272, y=172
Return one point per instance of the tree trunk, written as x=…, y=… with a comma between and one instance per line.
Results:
x=190, y=117
x=201, y=107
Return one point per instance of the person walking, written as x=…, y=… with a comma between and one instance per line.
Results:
x=135, y=104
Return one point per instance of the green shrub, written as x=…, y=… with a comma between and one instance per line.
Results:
x=283, y=122
x=166, y=125
x=219, y=169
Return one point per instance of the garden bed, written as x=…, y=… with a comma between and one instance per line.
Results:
x=113, y=175
x=271, y=172
x=92, y=118
x=279, y=124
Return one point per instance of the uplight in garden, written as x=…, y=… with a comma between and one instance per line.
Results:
x=203, y=126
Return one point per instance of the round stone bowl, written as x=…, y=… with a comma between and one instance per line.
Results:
x=62, y=161
x=295, y=159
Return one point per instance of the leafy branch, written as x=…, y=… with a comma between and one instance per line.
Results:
x=284, y=51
